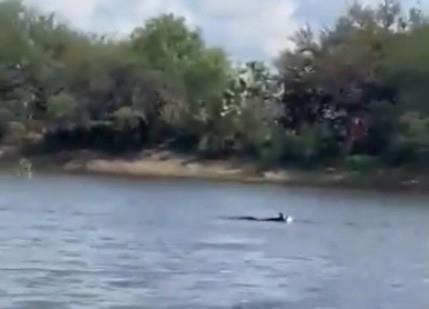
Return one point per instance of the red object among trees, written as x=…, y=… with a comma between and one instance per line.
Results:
x=359, y=129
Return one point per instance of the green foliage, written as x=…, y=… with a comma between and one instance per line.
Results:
x=62, y=107
x=411, y=141
x=368, y=66
x=15, y=133
x=361, y=163
x=14, y=39
x=163, y=83
x=242, y=119
x=126, y=118
x=166, y=43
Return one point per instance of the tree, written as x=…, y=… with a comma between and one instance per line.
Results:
x=62, y=109
x=337, y=80
x=166, y=43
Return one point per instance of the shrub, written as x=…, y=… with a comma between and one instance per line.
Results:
x=62, y=107
x=361, y=163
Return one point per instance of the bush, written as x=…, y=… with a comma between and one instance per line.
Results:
x=361, y=163
x=410, y=145
x=126, y=118
x=15, y=133
x=312, y=146
x=270, y=153
x=399, y=154
x=62, y=107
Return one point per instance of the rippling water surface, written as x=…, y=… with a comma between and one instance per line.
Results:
x=82, y=242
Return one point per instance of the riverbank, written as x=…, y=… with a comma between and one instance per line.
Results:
x=166, y=164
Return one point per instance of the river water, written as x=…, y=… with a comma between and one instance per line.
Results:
x=92, y=242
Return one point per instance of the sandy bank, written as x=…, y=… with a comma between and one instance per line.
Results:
x=172, y=165
x=165, y=164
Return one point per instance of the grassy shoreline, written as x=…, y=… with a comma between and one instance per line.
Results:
x=170, y=165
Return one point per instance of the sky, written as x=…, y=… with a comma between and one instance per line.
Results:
x=246, y=29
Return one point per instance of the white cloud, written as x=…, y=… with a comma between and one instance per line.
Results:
x=78, y=12
x=150, y=8
x=236, y=8
x=261, y=26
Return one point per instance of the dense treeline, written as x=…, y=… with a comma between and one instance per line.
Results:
x=354, y=92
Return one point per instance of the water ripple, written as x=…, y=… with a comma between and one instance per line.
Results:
x=113, y=246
